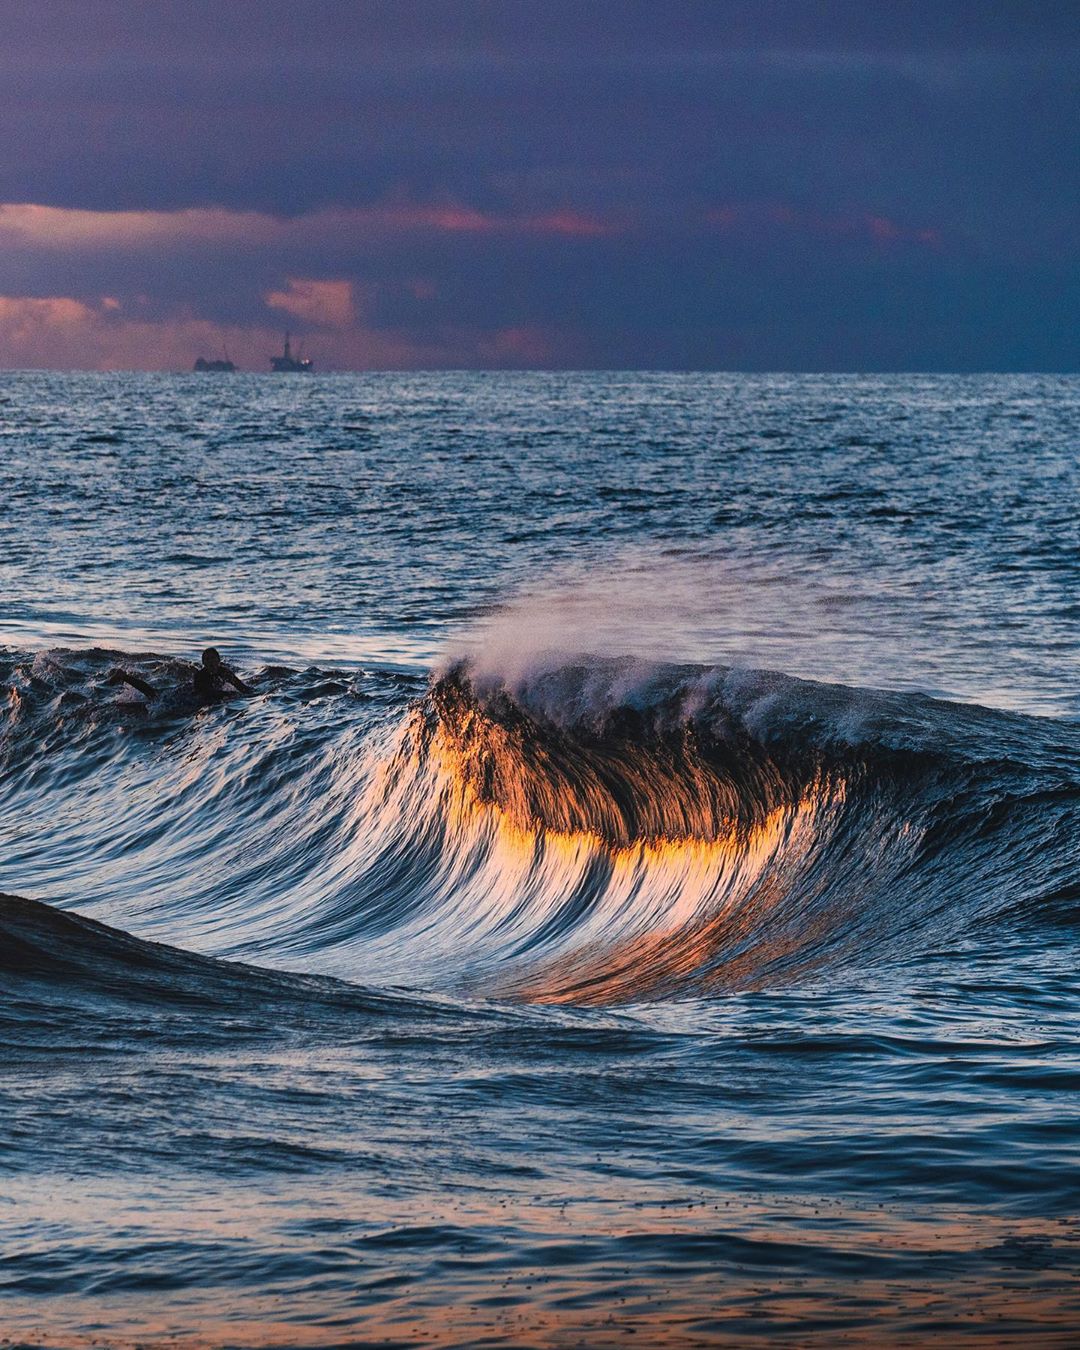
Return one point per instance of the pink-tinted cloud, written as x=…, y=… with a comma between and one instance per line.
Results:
x=62, y=332
x=522, y=346
x=325, y=304
x=30, y=225
x=63, y=228
x=456, y=218
x=22, y=318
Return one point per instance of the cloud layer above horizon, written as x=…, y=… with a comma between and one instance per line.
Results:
x=760, y=184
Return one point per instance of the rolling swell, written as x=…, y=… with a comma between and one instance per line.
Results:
x=62, y=970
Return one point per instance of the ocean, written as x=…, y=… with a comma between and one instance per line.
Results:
x=637, y=905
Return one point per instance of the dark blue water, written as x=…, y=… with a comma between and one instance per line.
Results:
x=638, y=904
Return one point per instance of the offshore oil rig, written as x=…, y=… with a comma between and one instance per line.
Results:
x=286, y=363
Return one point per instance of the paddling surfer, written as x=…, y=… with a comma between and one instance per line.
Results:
x=208, y=681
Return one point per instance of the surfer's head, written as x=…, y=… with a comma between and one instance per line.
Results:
x=211, y=658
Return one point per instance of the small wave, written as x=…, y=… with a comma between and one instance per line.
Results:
x=40, y=944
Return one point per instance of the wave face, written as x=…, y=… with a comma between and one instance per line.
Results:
x=661, y=830
x=594, y=831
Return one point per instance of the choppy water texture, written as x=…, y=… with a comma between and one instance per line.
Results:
x=638, y=905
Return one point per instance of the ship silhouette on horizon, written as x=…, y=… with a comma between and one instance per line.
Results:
x=286, y=363
x=215, y=365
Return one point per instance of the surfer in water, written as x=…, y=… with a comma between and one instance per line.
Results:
x=208, y=682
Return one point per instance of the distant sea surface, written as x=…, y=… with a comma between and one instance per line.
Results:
x=638, y=903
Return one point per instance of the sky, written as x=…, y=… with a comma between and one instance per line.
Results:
x=666, y=184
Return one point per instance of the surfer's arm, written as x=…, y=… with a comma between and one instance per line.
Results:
x=236, y=682
x=119, y=676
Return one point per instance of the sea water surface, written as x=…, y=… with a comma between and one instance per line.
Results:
x=638, y=905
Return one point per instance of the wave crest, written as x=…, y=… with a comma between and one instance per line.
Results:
x=678, y=767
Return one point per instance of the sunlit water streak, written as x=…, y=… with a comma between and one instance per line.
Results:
x=604, y=981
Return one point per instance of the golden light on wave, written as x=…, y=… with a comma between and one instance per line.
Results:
x=597, y=921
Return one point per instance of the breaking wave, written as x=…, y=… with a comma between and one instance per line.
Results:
x=592, y=831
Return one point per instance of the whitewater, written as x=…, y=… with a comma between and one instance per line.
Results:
x=638, y=900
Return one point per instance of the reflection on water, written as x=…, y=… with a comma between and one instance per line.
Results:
x=672, y=1264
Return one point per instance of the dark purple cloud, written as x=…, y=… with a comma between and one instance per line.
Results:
x=700, y=183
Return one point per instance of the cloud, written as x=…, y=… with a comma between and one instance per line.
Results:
x=22, y=318
x=62, y=332
x=526, y=347
x=66, y=229
x=29, y=224
x=754, y=183
x=326, y=304
x=65, y=333
x=454, y=218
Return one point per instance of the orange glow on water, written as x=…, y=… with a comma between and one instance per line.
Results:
x=650, y=914
x=928, y=1276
